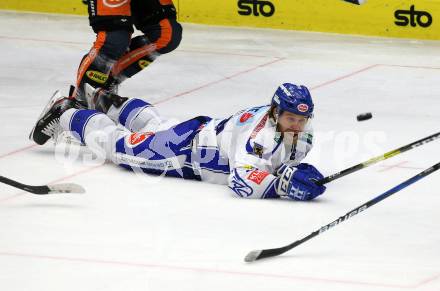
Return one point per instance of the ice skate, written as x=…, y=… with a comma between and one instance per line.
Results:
x=48, y=124
x=101, y=99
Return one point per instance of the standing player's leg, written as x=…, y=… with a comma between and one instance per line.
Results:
x=112, y=24
x=162, y=34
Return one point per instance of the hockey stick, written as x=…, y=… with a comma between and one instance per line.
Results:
x=358, y=2
x=260, y=254
x=374, y=160
x=45, y=189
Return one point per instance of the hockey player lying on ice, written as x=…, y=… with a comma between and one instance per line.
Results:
x=256, y=152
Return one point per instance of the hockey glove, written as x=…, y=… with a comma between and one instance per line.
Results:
x=297, y=183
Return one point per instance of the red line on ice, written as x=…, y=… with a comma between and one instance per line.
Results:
x=18, y=151
x=89, y=43
x=220, y=80
x=344, y=77
x=398, y=166
x=426, y=281
x=411, y=67
x=209, y=270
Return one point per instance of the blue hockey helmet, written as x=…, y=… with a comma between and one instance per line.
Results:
x=293, y=98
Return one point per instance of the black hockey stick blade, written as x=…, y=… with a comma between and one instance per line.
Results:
x=357, y=2
x=45, y=189
x=377, y=159
x=266, y=253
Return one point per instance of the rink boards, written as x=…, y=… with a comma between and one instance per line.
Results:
x=391, y=18
x=48, y=6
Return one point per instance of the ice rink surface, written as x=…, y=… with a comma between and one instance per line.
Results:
x=132, y=232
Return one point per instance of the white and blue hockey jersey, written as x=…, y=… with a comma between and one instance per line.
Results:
x=245, y=150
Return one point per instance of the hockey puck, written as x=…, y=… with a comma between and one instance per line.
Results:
x=364, y=116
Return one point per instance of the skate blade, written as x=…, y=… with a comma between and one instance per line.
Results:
x=66, y=137
x=54, y=98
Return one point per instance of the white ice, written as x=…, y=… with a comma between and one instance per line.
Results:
x=132, y=232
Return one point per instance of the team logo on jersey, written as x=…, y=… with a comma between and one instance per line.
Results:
x=258, y=150
x=239, y=186
x=115, y=3
x=143, y=64
x=302, y=107
x=136, y=138
x=98, y=77
x=257, y=176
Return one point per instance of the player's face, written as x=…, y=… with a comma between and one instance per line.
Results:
x=291, y=122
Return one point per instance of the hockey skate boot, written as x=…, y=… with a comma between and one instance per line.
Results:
x=101, y=99
x=112, y=84
x=48, y=124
